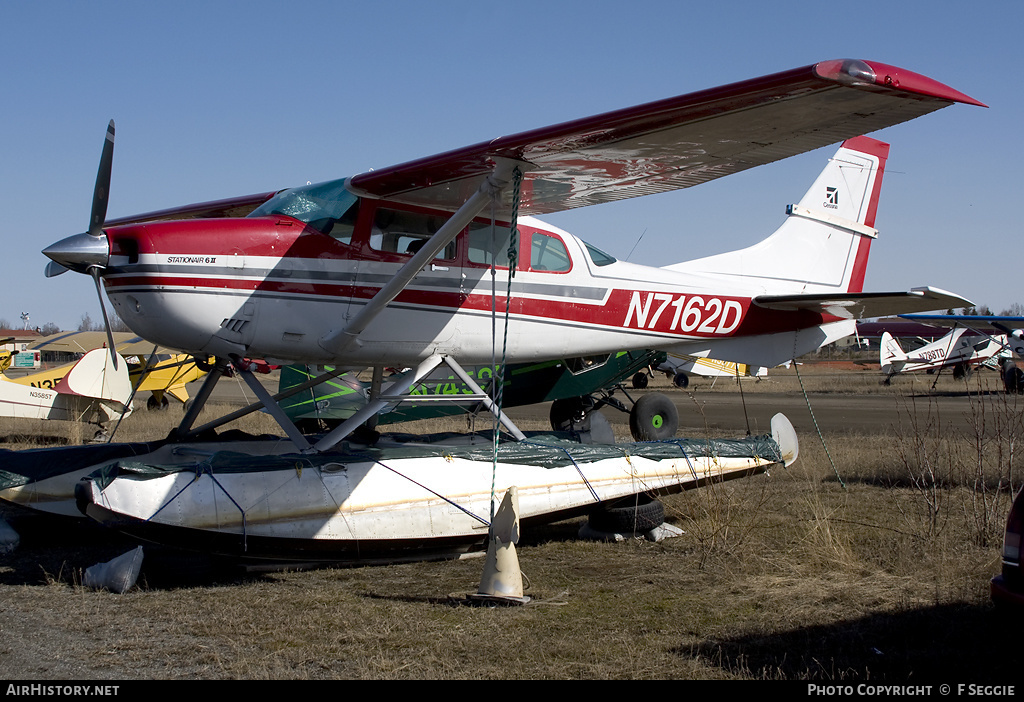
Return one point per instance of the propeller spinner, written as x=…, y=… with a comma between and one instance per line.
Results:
x=89, y=252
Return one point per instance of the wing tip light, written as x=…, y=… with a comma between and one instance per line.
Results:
x=871, y=73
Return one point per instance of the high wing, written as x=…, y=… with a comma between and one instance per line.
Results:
x=963, y=318
x=655, y=147
x=674, y=143
x=1014, y=337
x=863, y=305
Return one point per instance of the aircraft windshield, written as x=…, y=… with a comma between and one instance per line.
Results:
x=321, y=205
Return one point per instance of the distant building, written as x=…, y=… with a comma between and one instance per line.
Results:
x=18, y=339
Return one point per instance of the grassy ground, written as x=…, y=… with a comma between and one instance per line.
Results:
x=873, y=570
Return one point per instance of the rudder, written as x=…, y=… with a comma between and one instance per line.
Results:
x=823, y=245
x=890, y=355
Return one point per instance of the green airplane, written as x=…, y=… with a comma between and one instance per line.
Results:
x=576, y=387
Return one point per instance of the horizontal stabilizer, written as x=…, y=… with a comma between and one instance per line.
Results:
x=865, y=305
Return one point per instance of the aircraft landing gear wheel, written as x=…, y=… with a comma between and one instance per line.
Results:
x=154, y=404
x=1013, y=378
x=681, y=380
x=577, y=414
x=962, y=371
x=569, y=414
x=654, y=417
x=640, y=381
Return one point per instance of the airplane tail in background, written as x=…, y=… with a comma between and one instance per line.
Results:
x=891, y=355
x=94, y=377
x=823, y=245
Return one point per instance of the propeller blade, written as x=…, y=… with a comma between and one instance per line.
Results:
x=95, y=272
x=54, y=269
x=102, y=189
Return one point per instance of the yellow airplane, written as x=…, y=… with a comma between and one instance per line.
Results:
x=167, y=373
x=6, y=355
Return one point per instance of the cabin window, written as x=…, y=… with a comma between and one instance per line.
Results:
x=400, y=232
x=582, y=364
x=487, y=244
x=547, y=253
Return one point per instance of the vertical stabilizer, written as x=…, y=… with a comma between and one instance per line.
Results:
x=95, y=376
x=891, y=355
x=823, y=245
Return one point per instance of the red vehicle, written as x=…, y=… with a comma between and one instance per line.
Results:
x=1008, y=587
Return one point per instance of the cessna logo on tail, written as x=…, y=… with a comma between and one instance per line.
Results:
x=831, y=197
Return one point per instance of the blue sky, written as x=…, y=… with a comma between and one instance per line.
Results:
x=214, y=99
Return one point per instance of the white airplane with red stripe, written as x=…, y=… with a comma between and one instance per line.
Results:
x=393, y=267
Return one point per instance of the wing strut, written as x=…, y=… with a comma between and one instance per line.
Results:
x=337, y=341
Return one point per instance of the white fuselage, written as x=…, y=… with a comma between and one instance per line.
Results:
x=280, y=306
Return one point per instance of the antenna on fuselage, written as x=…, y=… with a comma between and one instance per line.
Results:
x=636, y=244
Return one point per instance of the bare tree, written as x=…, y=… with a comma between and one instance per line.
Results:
x=87, y=324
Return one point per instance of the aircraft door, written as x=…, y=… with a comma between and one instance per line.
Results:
x=423, y=312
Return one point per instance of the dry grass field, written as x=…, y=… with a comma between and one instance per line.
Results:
x=868, y=563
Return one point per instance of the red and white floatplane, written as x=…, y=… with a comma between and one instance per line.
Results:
x=398, y=267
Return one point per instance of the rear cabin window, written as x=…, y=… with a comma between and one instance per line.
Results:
x=599, y=257
x=548, y=253
x=400, y=232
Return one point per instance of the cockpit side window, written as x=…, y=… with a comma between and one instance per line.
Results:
x=401, y=232
x=487, y=244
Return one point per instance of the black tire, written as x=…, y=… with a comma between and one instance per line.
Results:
x=640, y=381
x=569, y=414
x=962, y=371
x=654, y=417
x=681, y=380
x=632, y=515
x=154, y=404
x=1013, y=378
